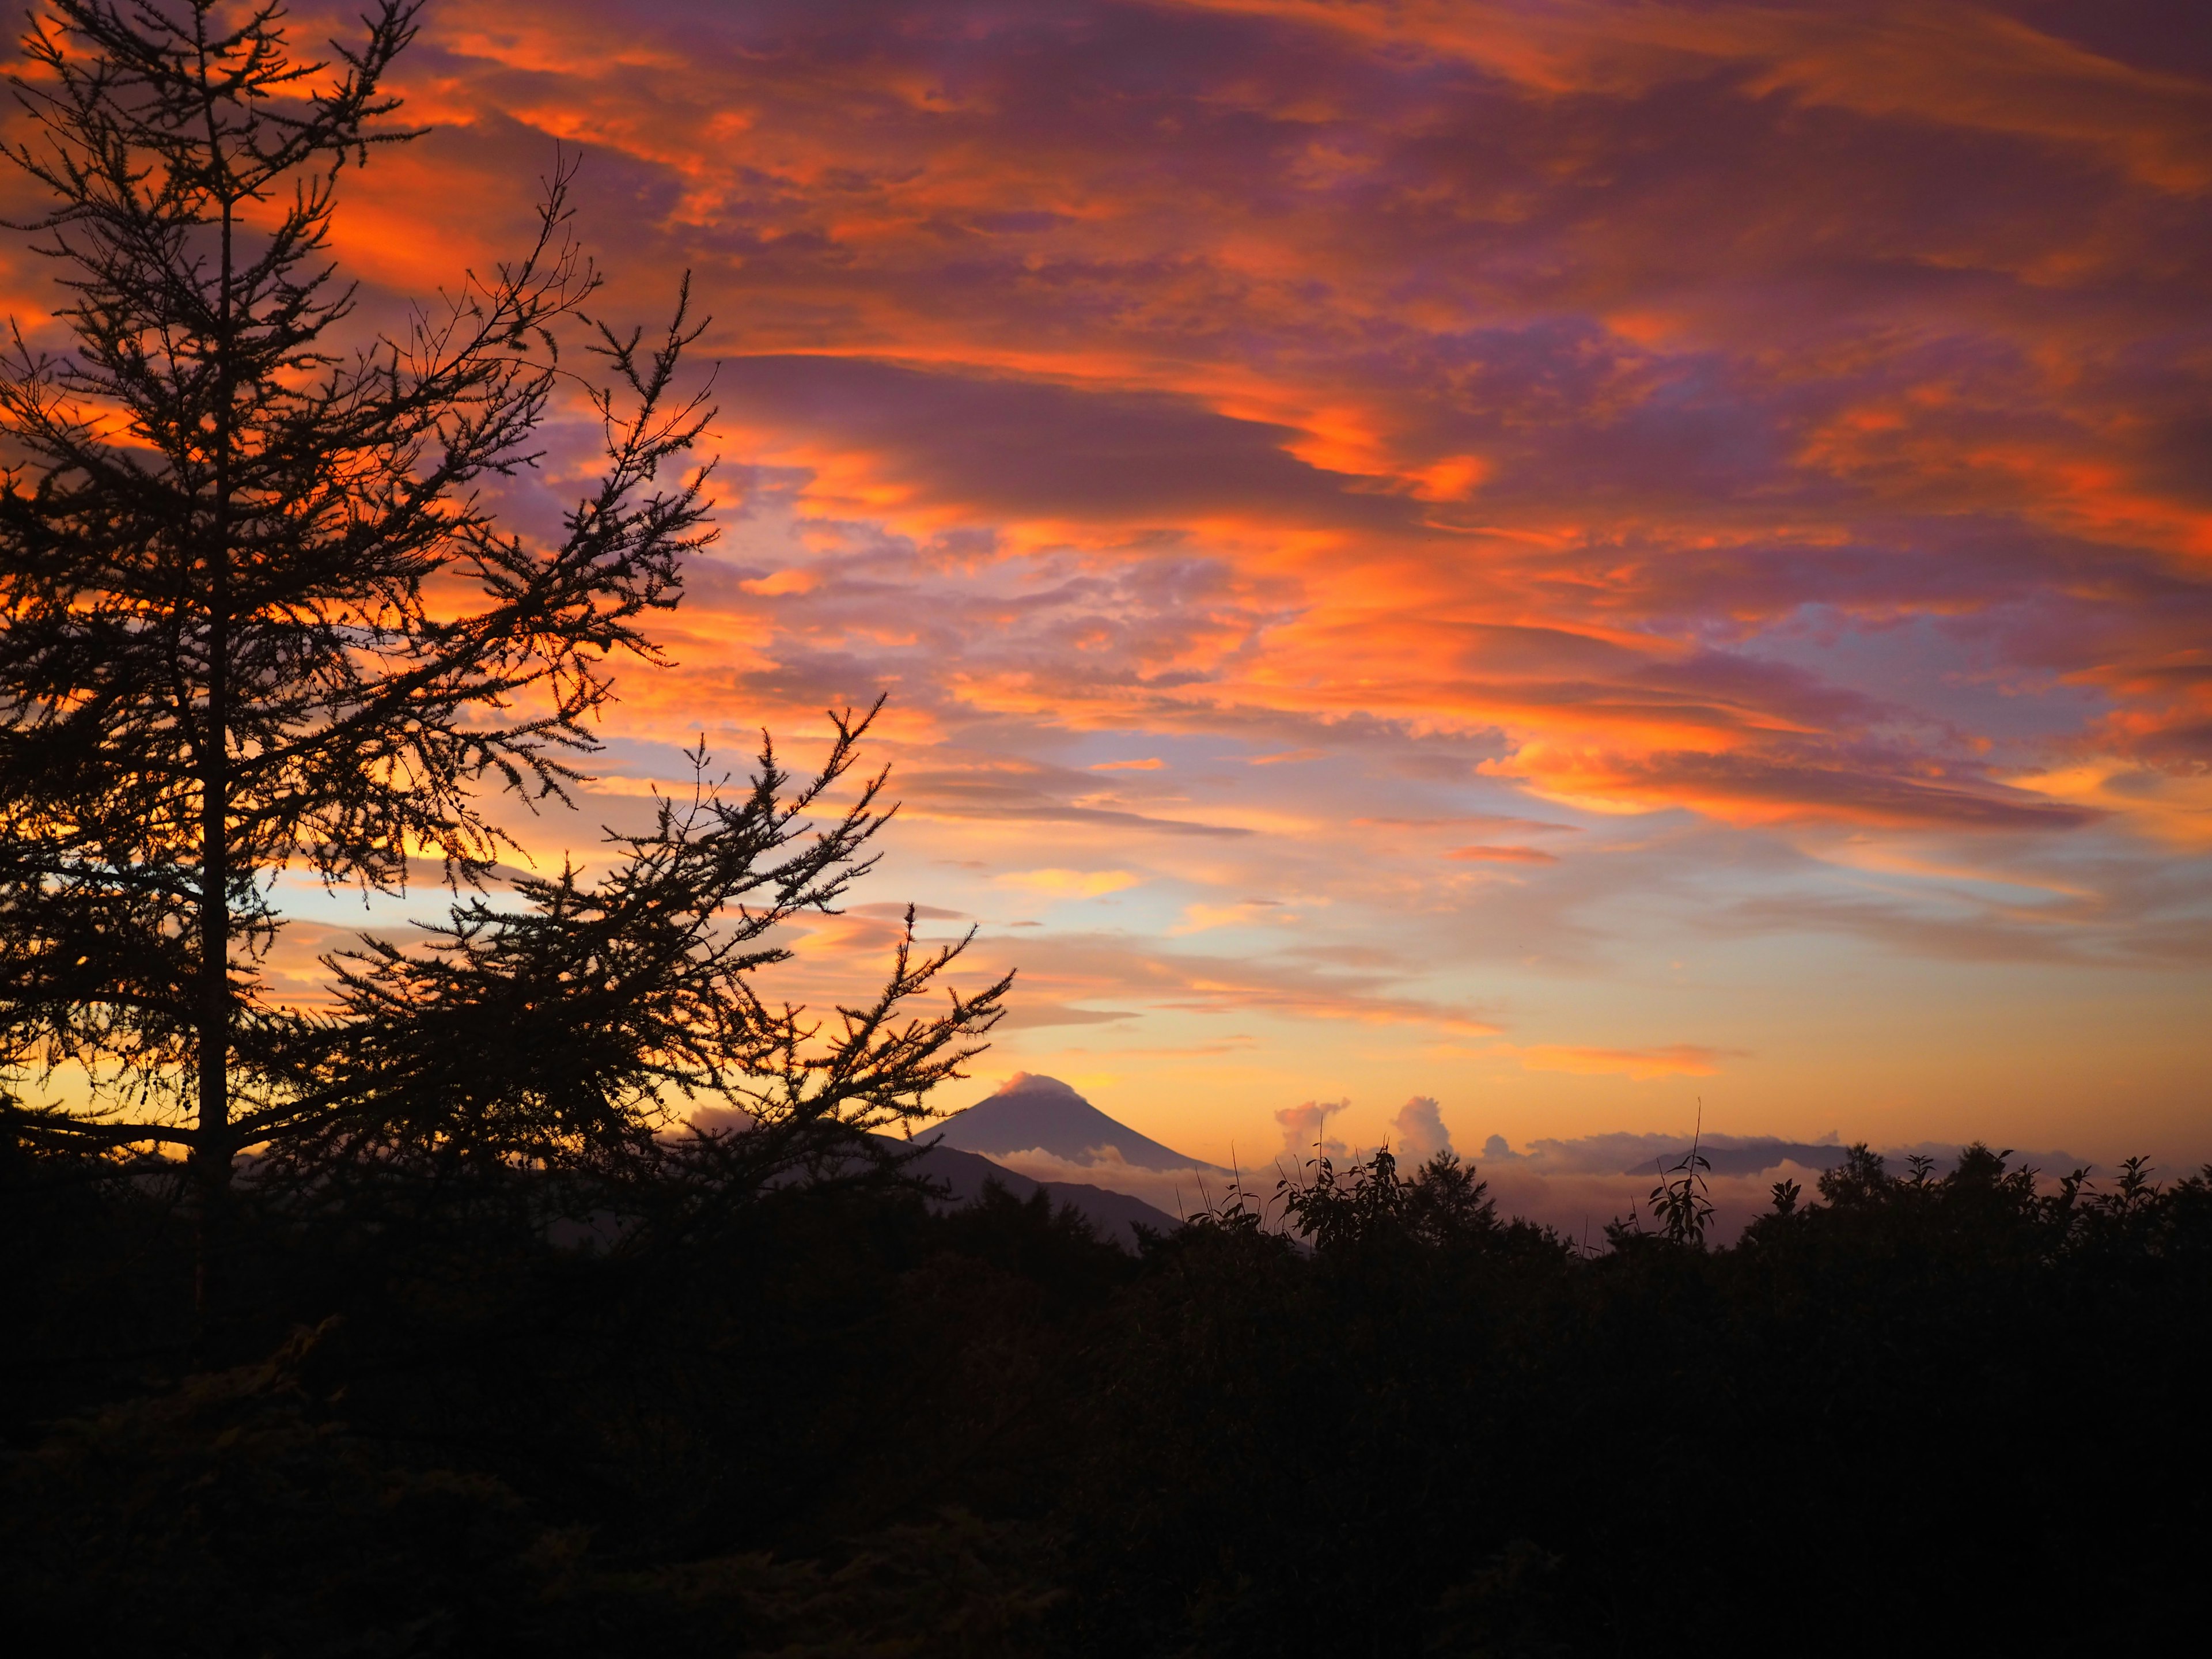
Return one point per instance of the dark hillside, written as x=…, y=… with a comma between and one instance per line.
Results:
x=1960, y=1414
x=1116, y=1217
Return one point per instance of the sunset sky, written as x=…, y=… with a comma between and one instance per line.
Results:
x=1569, y=558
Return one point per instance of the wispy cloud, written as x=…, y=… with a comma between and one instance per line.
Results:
x=1070, y=883
x=1530, y=482
x=1500, y=855
x=1672, y=1059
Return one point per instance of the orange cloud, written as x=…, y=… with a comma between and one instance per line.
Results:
x=1675, y=1059
x=1070, y=883
x=1500, y=855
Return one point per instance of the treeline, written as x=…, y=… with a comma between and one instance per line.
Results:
x=733, y=1397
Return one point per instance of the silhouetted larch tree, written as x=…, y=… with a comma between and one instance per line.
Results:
x=258, y=617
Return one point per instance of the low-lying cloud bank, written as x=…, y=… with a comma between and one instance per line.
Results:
x=1575, y=1185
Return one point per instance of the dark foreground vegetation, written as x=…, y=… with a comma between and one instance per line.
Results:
x=665, y=1408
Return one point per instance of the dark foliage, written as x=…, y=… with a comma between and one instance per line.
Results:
x=720, y=1410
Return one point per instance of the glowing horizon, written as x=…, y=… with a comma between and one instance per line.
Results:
x=1566, y=559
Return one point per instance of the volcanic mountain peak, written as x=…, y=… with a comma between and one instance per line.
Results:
x=1042, y=1114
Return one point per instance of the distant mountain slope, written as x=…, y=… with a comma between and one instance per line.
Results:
x=1115, y=1215
x=1044, y=1114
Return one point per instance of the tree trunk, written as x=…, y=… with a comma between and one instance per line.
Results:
x=212, y=1149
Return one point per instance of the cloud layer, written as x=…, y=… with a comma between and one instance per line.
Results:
x=1437, y=547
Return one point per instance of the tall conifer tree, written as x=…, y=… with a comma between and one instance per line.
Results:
x=258, y=616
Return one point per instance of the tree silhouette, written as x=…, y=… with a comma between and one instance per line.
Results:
x=258, y=617
x=566, y=1024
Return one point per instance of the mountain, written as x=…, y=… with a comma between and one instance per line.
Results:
x=1115, y=1215
x=962, y=1170
x=1042, y=1114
